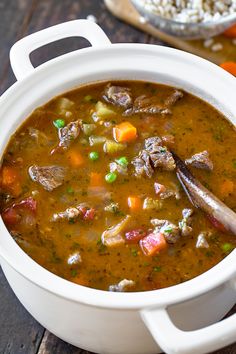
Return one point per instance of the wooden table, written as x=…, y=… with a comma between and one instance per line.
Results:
x=19, y=332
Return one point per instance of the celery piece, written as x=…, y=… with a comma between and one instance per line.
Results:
x=103, y=111
x=88, y=128
x=111, y=147
x=96, y=140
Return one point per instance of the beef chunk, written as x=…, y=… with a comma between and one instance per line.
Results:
x=159, y=155
x=69, y=214
x=186, y=222
x=170, y=231
x=187, y=213
x=149, y=105
x=68, y=134
x=202, y=240
x=112, y=208
x=154, y=155
x=50, y=177
x=123, y=285
x=169, y=193
x=164, y=192
x=72, y=213
x=22, y=213
x=200, y=160
x=116, y=167
x=74, y=259
x=159, y=188
x=144, y=104
x=118, y=96
x=142, y=164
x=152, y=143
x=162, y=158
x=173, y=98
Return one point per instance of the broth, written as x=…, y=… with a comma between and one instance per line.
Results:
x=64, y=184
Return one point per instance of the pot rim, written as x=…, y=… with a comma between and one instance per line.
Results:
x=223, y=272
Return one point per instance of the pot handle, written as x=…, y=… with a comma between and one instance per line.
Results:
x=20, y=51
x=173, y=340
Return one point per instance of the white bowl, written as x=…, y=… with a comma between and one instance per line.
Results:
x=179, y=319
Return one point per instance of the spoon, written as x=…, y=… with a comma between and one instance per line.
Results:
x=202, y=198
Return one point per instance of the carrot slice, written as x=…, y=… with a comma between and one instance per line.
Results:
x=96, y=179
x=10, y=180
x=124, y=132
x=153, y=243
x=229, y=66
x=231, y=32
x=75, y=158
x=227, y=188
x=134, y=203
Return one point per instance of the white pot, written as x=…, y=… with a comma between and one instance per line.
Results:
x=179, y=319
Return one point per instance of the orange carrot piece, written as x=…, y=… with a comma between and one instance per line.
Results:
x=75, y=158
x=227, y=188
x=96, y=179
x=124, y=132
x=9, y=175
x=231, y=32
x=10, y=180
x=134, y=203
x=229, y=66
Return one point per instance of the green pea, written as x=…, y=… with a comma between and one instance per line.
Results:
x=70, y=190
x=88, y=98
x=134, y=252
x=93, y=155
x=227, y=247
x=157, y=269
x=110, y=177
x=74, y=273
x=59, y=123
x=122, y=161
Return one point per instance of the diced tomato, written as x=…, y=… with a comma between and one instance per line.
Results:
x=153, y=243
x=14, y=213
x=28, y=203
x=10, y=216
x=216, y=223
x=134, y=236
x=87, y=213
x=90, y=214
x=159, y=188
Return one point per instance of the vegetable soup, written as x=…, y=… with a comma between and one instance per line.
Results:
x=89, y=187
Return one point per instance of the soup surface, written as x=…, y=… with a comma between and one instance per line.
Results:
x=89, y=187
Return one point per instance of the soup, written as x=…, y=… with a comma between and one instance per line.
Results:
x=89, y=187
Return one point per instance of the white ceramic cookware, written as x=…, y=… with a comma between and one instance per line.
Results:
x=180, y=319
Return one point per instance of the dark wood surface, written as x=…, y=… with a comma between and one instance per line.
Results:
x=19, y=332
